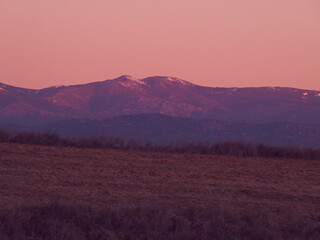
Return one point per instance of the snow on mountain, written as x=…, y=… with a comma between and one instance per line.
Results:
x=177, y=80
x=166, y=79
x=128, y=81
x=3, y=91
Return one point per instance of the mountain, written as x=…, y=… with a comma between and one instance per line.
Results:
x=174, y=97
x=164, y=129
x=166, y=109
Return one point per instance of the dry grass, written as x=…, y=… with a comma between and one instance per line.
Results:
x=247, y=188
x=60, y=222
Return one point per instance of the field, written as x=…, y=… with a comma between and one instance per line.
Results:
x=287, y=191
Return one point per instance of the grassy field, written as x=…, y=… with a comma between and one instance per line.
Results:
x=285, y=191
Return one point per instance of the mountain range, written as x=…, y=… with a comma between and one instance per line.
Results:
x=166, y=109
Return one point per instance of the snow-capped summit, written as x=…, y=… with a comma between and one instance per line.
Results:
x=166, y=79
x=126, y=77
x=178, y=80
x=128, y=81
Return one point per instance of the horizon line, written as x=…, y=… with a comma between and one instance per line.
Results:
x=154, y=76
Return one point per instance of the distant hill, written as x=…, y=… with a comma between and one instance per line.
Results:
x=166, y=95
x=165, y=129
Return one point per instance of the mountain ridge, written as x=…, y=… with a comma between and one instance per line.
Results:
x=165, y=109
x=129, y=77
x=170, y=96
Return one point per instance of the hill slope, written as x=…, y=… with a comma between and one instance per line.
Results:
x=165, y=129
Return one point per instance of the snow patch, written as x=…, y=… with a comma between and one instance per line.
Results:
x=123, y=84
x=132, y=78
x=226, y=92
x=305, y=94
x=55, y=86
x=128, y=81
x=177, y=80
x=139, y=82
x=3, y=91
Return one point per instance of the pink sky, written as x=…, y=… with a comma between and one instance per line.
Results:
x=208, y=42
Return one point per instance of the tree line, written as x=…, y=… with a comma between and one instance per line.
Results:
x=227, y=148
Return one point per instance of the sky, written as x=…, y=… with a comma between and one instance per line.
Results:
x=218, y=43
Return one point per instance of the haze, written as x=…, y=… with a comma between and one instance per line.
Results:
x=208, y=42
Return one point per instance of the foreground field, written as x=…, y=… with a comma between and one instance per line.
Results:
x=285, y=190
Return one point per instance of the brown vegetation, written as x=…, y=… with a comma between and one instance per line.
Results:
x=58, y=222
x=117, y=194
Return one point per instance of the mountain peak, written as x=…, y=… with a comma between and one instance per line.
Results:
x=128, y=81
x=166, y=79
x=127, y=77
